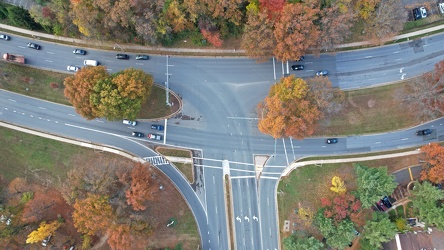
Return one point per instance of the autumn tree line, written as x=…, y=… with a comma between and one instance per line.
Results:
x=280, y=28
x=105, y=197
x=343, y=211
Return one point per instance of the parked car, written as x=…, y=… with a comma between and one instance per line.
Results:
x=381, y=206
x=72, y=68
x=419, y=13
x=4, y=37
x=331, y=140
x=386, y=202
x=142, y=57
x=79, y=52
x=157, y=127
x=423, y=132
x=122, y=56
x=322, y=73
x=441, y=7
x=128, y=122
x=33, y=46
x=138, y=134
x=356, y=232
x=45, y=242
x=155, y=137
x=297, y=67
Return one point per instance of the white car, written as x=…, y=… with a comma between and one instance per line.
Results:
x=441, y=8
x=128, y=122
x=72, y=68
x=423, y=12
x=4, y=37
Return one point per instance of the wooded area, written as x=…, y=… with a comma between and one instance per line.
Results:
x=280, y=28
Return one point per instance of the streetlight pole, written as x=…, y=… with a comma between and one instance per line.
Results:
x=166, y=83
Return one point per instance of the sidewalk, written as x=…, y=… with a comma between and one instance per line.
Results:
x=110, y=45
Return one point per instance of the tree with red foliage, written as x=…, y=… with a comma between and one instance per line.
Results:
x=433, y=168
x=340, y=207
x=42, y=206
x=272, y=7
x=212, y=37
x=141, y=188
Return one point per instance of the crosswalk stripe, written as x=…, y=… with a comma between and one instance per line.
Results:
x=157, y=160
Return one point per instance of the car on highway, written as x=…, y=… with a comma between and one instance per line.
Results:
x=138, y=134
x=331, y=140
x=142, y=57
x=128, y=122
x=322, y=73
x=79, y=52
x=122, y=56
x=423, y=132
x=419, y=13
x=33, y=46
x=297, y=67
x=155, y=137
x=157, y=127
x=4, y=37
x=72, y=68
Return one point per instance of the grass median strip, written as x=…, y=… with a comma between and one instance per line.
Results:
x=185, y=168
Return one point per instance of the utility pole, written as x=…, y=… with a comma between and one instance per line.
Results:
x=166, y=83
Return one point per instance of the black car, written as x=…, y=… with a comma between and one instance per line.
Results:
x=79, y=52
x=122, y=56
x=33, y=46
x=331, y=140
x=138, y=134
x=386, y=202
x=423, y=132
x=142, y=57
x=301, y=58
x=297, y=67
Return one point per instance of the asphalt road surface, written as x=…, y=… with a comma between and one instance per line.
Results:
x=220, y=97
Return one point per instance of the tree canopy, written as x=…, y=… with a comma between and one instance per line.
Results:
x=307, y=243
x=43, y=231
x=338, y=235
x=378, y=230
x=426, y=199
x=288, y=110
x=93, y=214
x=95, y=93
x=433, y=168
x=373, y=184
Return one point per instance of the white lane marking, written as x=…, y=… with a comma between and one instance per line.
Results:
x=22, y=47
x=404, y=139
x=276, y=166
x=42, y=108
x=56, y=122
x=52, y=53
x=396, y=52
x=31, y=115
x=242, y=177
x=71, y=115
x=233, y=162
x=324, y=146
x=378, y=142
x=285, y=150
x=100, y=121
x=309, y=70
x=368, y=57
x=268, y=201
x=271, y=173
x=242, y=118
x=48, y=61
x=268, y=177
x=402, y=76
x=214, y=181
x=12, y=100
x=399, y=59
x=308, y=62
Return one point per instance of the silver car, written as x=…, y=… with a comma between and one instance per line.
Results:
x=322, y=73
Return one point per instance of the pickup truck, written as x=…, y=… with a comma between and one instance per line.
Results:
x=155, y=137
x=14, y=58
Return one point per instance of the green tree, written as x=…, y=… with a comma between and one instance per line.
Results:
x=338, y=235
x=288, y=110
x=295, y=243
x=373, y=184
x=378, y=230
x=21, y=18
x=426, y=199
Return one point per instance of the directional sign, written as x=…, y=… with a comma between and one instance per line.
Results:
x=247, y=219
x=238, y=219
x=255, y=218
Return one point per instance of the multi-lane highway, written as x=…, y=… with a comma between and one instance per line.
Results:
x=220, y=97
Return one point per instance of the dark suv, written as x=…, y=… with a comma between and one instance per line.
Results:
x=297, y=67
x=122, y=56
x=33, y=46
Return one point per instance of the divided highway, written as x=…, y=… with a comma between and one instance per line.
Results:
x=220, y=97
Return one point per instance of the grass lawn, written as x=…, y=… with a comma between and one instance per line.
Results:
x=185, y=168
x=47, y=162
x=371, y=110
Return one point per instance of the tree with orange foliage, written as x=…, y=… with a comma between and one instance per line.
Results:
x=295, y=31
x=258, y=39
x=93, y=214
x=42, y=206
x=288, y=110
x=120, y=238
x=141, y=188
x=78, y=90
x=433, y=168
